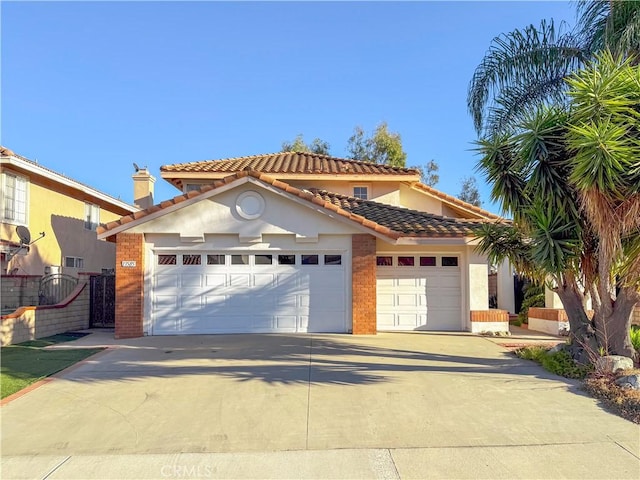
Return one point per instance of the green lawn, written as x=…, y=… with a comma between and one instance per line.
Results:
x=26, y=363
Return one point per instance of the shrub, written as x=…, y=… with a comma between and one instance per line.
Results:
x=533, y=297
x=635, y=337
x=559, y=362
x=562, y=364
x=534, y=353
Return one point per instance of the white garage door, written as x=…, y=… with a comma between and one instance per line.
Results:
x=248, y=293
x=418, y=292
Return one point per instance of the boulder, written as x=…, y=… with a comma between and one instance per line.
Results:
x=557, y=348
x=613, y=363
x=629, y=381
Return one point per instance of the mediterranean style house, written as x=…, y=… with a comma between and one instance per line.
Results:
x=299, y=242
x=61, y=214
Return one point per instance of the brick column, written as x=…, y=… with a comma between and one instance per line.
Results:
x=129, y=285
x=363, y=284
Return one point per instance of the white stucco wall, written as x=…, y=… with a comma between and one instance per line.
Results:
x=478, y=281
x=218, y=215
x=551, y=299
x=416, y=200
x=506, y=296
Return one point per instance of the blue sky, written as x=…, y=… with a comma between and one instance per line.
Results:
x=88, y=88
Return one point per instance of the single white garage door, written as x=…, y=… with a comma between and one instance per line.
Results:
x=418, y=292
x=248, y=293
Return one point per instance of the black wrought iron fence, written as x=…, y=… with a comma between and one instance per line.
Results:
x=54, y=288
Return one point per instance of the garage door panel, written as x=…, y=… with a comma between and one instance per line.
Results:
x=167, y=281
x=409, y=300
x=237, y=298
x=264, y=280
x=286, y=322
x=166, y=301
x=216, y=280
x=418, y=298
x=166, y=324
x=190, y=302
x=448, y=281
x=240, y=280
x=386, y=319
x=411, y=320
x=386, y=299
x=191, y=280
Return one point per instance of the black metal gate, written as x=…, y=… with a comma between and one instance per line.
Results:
x=103, y=301
x=54, y=288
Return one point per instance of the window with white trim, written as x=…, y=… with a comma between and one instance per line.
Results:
x=361, y=192
x=74, y=262
x=14, y=199
x=91, y=216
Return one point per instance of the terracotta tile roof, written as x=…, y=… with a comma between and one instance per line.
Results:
x=390, y=221
x=456, y=202
x=289, y=162
x=402, y=220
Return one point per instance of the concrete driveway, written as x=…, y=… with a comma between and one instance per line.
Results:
x=394, y=405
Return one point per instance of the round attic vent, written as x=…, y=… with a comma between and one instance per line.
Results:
x=250, y=205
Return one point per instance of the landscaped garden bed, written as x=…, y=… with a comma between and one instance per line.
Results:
x=620, y=399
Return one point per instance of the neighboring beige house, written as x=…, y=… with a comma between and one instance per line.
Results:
x=299, y=242
x=66, y=211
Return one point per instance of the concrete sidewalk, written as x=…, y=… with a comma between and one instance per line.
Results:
x=394, y=405
x=580, y=461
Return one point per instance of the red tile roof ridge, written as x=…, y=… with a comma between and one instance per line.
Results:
x=319, y=156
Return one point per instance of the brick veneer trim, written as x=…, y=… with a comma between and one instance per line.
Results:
x=492, y=315
x=363, y=284
x=552, y=314
x=129, y=285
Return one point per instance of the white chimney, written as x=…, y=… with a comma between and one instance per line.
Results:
x=143, y=188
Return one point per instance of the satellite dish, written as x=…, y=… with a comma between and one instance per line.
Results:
x=23, y=234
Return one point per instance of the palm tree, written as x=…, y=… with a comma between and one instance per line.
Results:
x=570, y=179
x=526, y=68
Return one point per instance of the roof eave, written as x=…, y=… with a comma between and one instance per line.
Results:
x=35, y=169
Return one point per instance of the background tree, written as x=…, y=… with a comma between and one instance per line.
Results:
x=570, y=178
x=298, y=145
x=526, y=68
x=429, y=173
x=469, y=191
x=383, y=146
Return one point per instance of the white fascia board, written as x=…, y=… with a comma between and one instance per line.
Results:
x=45, y=172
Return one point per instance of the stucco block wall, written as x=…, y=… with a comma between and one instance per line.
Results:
x=635, y=320
x=19, y=291
x=129, y=285
x=492, y=320
x=364, y=284
x=29, y=323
